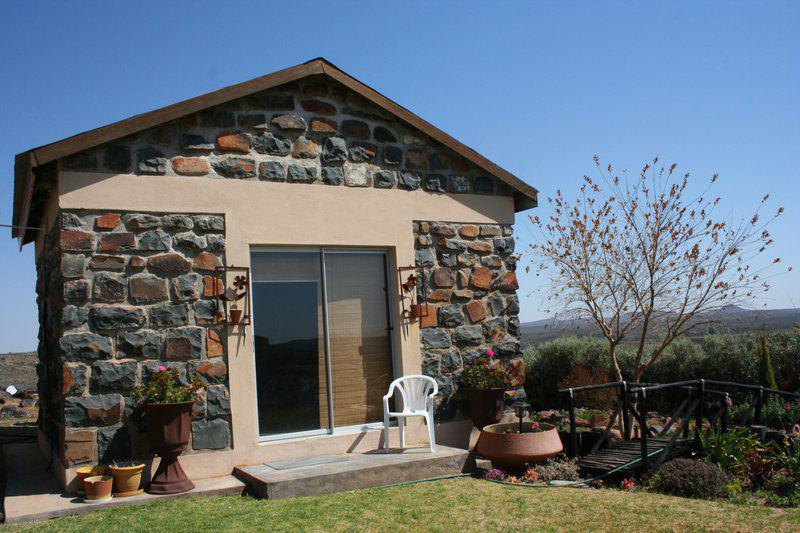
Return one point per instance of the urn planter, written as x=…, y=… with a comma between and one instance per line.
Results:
x=87, y=471
x=512, y=451
x=168, y=427
x=486, y=406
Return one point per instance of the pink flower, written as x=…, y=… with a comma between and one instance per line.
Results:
x=534, y=426
x=490, y=352
x=161, y=368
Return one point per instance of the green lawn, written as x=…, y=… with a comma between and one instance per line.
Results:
x=453, y=506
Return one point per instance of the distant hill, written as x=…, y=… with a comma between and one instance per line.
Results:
x=18, y=369
x=729, y=320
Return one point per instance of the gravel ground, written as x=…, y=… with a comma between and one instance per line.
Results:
x=18, y=369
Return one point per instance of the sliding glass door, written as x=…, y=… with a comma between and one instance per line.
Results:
x=322, y=338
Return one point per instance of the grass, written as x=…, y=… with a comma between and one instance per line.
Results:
x=452, y=506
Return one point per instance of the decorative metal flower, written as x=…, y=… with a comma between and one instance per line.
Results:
x=240, y=282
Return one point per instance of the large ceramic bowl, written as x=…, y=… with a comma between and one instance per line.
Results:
x=512, y=451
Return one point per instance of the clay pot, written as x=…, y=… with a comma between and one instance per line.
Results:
x=236, y=316
x=168, y=427
x=512, y=451
x=126, y=479
x=486, y=406
x=98, y=488
x=84, y=472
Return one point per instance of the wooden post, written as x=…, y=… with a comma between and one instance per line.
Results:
x=573, y=430
x=723, y=423
x=626, y=414
x=759, y=405
x=688, y=413
x=698, y=421
x=644, y=431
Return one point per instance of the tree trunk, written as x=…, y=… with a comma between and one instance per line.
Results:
x=612, y=350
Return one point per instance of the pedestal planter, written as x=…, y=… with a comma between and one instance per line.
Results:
x=486, y=406
x=168, y=426
x=512, y=451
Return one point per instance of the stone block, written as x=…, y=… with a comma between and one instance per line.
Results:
x=392, y=155
x=209, y=223
x=506, y=282
x=301, y=174
x=467, y=336
x=271, y=144
x=169, y=263
x=76, y=241
x=76, y=292
x=186, y=287
x=72, y=266
x=383, y=135
x=190, y=166
x=318, y=106
x=107, y=262
x=189, y=241
x=143, y=343
x=233, y=142
x=435, y=338
x=109, y=221
x=235, y=167
x=99, y=410
x=303, y=148
x=151, y=161
x=116, y=242
x=408, y=180
x=155, y=241
x=85, y=346
x=108, y=317
x=210, y=371
x=72, y=316
x=141, y=222
x=323, y=126
x=113, y=376
x=182, y=344
x=218, y=401
x=74, y=379
x=169, y=315
x=108, y=288
x=476, y=311
x=210, y=434
x=147, y=288
x=79, y=446
x=271, y=171
x=117, y=158
x=334, y=150
x=292, y=123
x=332, y=175
x=450, y=316
x=206, y=261
x=481, y=278
x=459, y=184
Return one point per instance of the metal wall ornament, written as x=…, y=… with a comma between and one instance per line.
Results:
x=233, y=300
x=415, y=291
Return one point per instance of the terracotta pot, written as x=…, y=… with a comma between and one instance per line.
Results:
x=98, y=487
x=512, y=451
x=168, y=426
x=84, y=472
x=486, y=406
x=236, y=316
x=126, y=479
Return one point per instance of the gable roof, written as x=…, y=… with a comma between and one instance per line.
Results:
x=26, y=163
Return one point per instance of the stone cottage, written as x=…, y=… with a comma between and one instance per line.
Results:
x=320, y=189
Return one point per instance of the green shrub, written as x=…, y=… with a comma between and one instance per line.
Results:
x=558, y=469
x=766, y=373
x=715, y=357
x=693, y=479
x=727, y=450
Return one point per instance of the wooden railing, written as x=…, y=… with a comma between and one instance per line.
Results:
x=633, y=402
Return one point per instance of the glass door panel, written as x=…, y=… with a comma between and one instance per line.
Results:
x=291, y=372
x=359, y=335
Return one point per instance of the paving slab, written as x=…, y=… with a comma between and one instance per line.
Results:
x=356, y=471
x=32, y=493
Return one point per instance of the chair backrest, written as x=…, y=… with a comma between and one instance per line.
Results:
x=414, y=391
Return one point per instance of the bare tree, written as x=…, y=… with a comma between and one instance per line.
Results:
x=638, y=258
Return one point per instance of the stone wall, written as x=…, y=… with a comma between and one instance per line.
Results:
x=473, y=305
x=130, y=292
x=313, y=132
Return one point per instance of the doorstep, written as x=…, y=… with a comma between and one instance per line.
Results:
x=351, y=471
x=32, y=493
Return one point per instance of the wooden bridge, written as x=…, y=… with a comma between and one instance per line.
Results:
x=706, y=402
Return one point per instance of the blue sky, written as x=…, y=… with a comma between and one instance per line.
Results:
x=538, y=87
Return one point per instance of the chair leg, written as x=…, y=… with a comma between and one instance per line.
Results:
x=401, y=422
x=385, y=431
x=431, y=432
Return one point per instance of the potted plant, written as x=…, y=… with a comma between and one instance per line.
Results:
x=98, y=488
x=87, y=471
x=511, y=450
x=168, y=407
x=233, y=295
x=485, y=382
x=127, y=478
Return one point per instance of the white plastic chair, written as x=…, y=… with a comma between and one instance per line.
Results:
x=416, y=393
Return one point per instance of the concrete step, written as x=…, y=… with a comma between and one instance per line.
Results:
x=325, y=474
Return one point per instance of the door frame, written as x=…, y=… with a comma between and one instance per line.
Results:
x=392, y=329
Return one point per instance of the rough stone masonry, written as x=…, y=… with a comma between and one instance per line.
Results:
x=127, y=292
x=473, y=305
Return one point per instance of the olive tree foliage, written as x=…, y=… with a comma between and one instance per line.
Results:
x=639, y=257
